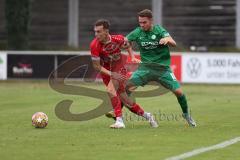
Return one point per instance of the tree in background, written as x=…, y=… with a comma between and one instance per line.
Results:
x=17, y=22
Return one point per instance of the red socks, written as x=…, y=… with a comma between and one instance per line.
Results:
x=137, y=109
x=116, y=104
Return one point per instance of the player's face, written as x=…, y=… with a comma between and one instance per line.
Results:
x=145, y=23
x=100, y=33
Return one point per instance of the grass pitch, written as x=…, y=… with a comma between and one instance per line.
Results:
x=216, y=108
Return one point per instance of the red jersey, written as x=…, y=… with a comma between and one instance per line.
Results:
x=109, y=54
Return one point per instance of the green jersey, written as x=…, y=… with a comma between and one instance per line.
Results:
x=148, y=43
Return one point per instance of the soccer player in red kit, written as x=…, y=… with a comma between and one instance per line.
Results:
x=109, y=61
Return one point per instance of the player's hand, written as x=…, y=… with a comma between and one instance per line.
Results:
x=164, y=41
x=118, y=76
x=168, y=41
x=135, y=60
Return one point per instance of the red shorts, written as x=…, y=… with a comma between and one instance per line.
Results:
x=122, y=84
x=119, y=67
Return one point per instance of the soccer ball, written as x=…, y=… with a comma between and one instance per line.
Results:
x=39, y=120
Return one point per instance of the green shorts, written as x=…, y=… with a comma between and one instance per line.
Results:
x=162, y=75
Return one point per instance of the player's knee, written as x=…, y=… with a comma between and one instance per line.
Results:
x=128, y=102
x=178, y=92
x=130, y=87
x=111, y=92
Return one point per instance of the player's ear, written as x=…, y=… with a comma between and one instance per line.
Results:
x=107, y=30
x=151, y=20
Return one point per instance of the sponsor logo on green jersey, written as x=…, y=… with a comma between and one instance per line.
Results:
x=150, y=45
x=155, y=43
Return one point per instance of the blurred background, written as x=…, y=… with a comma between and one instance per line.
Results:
x=37, y=36
x=68, y=24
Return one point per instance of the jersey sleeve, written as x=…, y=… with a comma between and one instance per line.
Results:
x=132, y=36
x=120, y=39
x=94, y=51
x=163, y=32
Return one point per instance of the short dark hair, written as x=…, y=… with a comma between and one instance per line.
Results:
x=103, y=22
x=145, y=13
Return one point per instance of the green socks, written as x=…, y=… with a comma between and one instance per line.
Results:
x=183, y=103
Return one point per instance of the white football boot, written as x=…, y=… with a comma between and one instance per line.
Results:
x=118, y=124
x=189, y=120
x=151, y=120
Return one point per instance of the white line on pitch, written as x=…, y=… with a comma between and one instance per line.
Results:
x=205, y=149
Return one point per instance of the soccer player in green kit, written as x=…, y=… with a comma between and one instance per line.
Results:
x=153, y=42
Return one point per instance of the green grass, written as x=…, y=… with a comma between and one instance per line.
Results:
x=216, y=108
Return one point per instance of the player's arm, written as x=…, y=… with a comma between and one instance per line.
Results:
x=128, y=46
x=101, y=69
x=166, y=38
x=96, y=59
x=168, y=41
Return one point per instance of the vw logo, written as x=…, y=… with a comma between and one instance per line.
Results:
x=194, y=67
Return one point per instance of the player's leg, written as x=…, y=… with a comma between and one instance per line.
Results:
x=116, y=103
x=111, y=114
x=182, y=100
x=168, y=80
x=130, y=86
x=138, y=78
x=135, y=108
